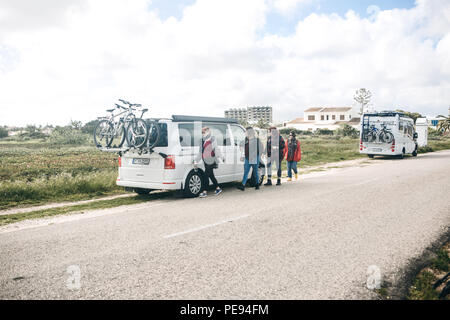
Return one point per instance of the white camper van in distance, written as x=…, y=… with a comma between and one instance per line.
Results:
x=170, y=164
x=387, y=133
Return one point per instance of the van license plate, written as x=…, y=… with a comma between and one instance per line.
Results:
x=376, y=149
x=141, y=161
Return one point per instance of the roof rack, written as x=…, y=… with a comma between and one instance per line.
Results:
x=181, y=118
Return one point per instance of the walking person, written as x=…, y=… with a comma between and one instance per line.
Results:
x=252, y=151
x=275, y=153
x=293, y=155
x=210, y=154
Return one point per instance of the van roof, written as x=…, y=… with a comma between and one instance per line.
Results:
x=183, y=118
x=386, y=114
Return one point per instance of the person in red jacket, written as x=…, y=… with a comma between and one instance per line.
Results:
x=293, y=155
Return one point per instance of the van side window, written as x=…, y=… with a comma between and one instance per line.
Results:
x=238, y=134
x=186, y=131
x=162, y=139
x=220, y=133
x=410, y=129
x=400, y=126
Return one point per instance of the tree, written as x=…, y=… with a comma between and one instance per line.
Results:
x=77, y=125
x=33, y=132
x=244, y=123
x=363, y=96
x=444, y=125
x=262, y=124
x=413, y=115
x=89, y=127
x=3, y=132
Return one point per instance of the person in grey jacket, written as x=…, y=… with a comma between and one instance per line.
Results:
x=210, y=155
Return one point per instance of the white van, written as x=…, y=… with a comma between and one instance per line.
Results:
x=170, y=164
x=387, y=133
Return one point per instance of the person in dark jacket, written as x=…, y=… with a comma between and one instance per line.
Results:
x=210, y=154
x=252, y=152
x=293, y=155
x=275, y=154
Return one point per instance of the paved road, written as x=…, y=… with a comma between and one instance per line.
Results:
x=312, y=239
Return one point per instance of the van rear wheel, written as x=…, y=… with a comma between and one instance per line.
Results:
x=371, y=156
x=142, y=191
x=193, y=184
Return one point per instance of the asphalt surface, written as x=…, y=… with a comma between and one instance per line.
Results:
x=311, y=239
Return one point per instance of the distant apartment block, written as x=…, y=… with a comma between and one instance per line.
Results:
x=251, y=114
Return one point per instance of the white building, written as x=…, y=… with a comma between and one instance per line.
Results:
x=325, y=118
x=433, y=122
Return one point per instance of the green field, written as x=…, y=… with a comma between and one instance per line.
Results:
x=34, y=172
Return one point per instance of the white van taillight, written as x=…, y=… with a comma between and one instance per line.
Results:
x=361, y=145
x=169, y=162
x=120, y=162
x=393, y=146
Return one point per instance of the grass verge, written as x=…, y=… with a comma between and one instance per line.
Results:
x=95, y=205
x=433, y=282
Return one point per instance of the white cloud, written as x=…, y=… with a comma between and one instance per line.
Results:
x=86, y=55
x=286, y=7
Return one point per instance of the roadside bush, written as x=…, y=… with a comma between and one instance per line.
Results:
x=425, y=149
x=347, y=131
x=68, y=136
x=3, y=132
x=286, y=131
x=89, y=127
x=32, y=132
x=434, y=133
x=324, y=132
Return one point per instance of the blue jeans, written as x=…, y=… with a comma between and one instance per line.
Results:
x=247, y=167
x=291, y=165
x=269, y=167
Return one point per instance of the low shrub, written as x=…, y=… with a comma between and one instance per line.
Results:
x=68, y=136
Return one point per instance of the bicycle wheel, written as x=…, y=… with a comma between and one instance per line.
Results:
x=137, y=133
x=371, y=136
x=103, y=134
x=387, y=137
x=154, y=133
x=119, y=136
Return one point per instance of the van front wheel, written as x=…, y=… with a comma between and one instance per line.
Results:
x=193, y=185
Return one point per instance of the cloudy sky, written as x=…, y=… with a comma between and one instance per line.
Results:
x=71, y=59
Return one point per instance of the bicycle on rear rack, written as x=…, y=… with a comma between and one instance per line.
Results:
x=135, y=131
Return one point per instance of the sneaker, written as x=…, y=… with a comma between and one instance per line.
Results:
x=269, y=182
x=257, y=187
x=296, y=176
x=218, y=191
x=289, y=179
x=278, y=182
x=203, y=195
x=241, y=187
